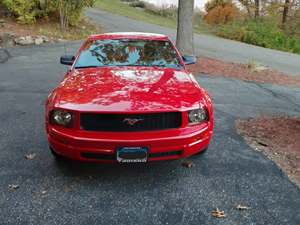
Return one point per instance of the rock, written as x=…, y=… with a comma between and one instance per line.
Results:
x=61, y=40
x=2, y=22
x=7, y=39
x=45, y=38
x=38, y=40
x=28, y=40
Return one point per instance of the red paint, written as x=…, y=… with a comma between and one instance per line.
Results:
x=128, y=90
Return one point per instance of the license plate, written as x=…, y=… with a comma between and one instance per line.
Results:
x=132, y=154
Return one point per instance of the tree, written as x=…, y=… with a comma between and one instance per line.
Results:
x=220, y=12
x=70, y=11
x=185, y=37
x=247, y=5
x=257, y=5
x=285, y=11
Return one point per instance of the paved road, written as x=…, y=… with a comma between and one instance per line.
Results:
x=206, y=45
x=229, y=173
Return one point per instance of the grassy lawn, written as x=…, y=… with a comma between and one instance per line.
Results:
x=120, y=8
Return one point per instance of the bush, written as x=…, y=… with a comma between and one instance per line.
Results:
x=215, y=3
x=138, y=4
x=24, y=10
x=68, y=12
x=222, y=14
x=261, y=33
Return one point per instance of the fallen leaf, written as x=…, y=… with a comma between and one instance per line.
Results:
x=30, y=156
x=262, y=143
x=13, y=187
x=242, y=207
x=187, y=164
x=218, y=213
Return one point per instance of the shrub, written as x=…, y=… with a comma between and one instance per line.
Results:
x=138, y=4
x=214, y=3
x=68, y=12
x=24, y=10
x=222, y=14
x=261, y=33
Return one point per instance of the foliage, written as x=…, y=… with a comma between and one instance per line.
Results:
x=214, y=3
x=222, y=14
x=139, y=4
x=67, y=11
x=293, y=26
x=262, y=33
x=24, y=10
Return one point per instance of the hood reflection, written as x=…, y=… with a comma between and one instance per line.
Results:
x=127, y=89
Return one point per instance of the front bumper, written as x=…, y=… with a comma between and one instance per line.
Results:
x=101, y=146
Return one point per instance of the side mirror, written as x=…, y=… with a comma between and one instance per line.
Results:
x=189, y=59
x=67, y=60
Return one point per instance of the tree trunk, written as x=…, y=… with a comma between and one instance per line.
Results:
x=63, y=15
x=285, y=11
x=256, y=9
x=185, y=39
x=248, y=8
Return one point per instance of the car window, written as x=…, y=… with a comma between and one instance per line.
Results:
x=124, y=52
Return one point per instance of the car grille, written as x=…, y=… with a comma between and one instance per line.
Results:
x=130, y=122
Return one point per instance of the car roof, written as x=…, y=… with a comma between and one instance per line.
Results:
x=128, y=35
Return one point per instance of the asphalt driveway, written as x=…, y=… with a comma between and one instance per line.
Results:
x=229, y=173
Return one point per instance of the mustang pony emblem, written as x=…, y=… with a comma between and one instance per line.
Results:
x=130, y=121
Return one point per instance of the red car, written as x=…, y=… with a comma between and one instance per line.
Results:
x=128, y=97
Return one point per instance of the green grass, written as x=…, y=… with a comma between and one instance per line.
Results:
x=120, y=8
x=262, y=33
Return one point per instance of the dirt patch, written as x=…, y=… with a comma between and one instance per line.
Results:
x=278, y=138
x=249, y=72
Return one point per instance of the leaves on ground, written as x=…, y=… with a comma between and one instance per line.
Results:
x=30, y=156
x=262, y=143
x=242, y=207
x=13, y=187
x=187, y=164
x=218, y=213
x=277, y=138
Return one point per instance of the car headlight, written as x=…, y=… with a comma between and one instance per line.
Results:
x=198, y=115
x=61, y=117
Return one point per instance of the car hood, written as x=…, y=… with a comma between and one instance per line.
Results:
x=126, y=89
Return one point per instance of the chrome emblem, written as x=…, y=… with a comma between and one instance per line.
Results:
x=130, y=121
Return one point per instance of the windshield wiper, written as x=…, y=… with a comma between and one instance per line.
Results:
x=159, y=65
x=81, y=67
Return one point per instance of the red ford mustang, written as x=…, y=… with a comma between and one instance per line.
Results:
x=128, y=97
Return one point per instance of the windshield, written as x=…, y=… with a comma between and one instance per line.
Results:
x=124, y=52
